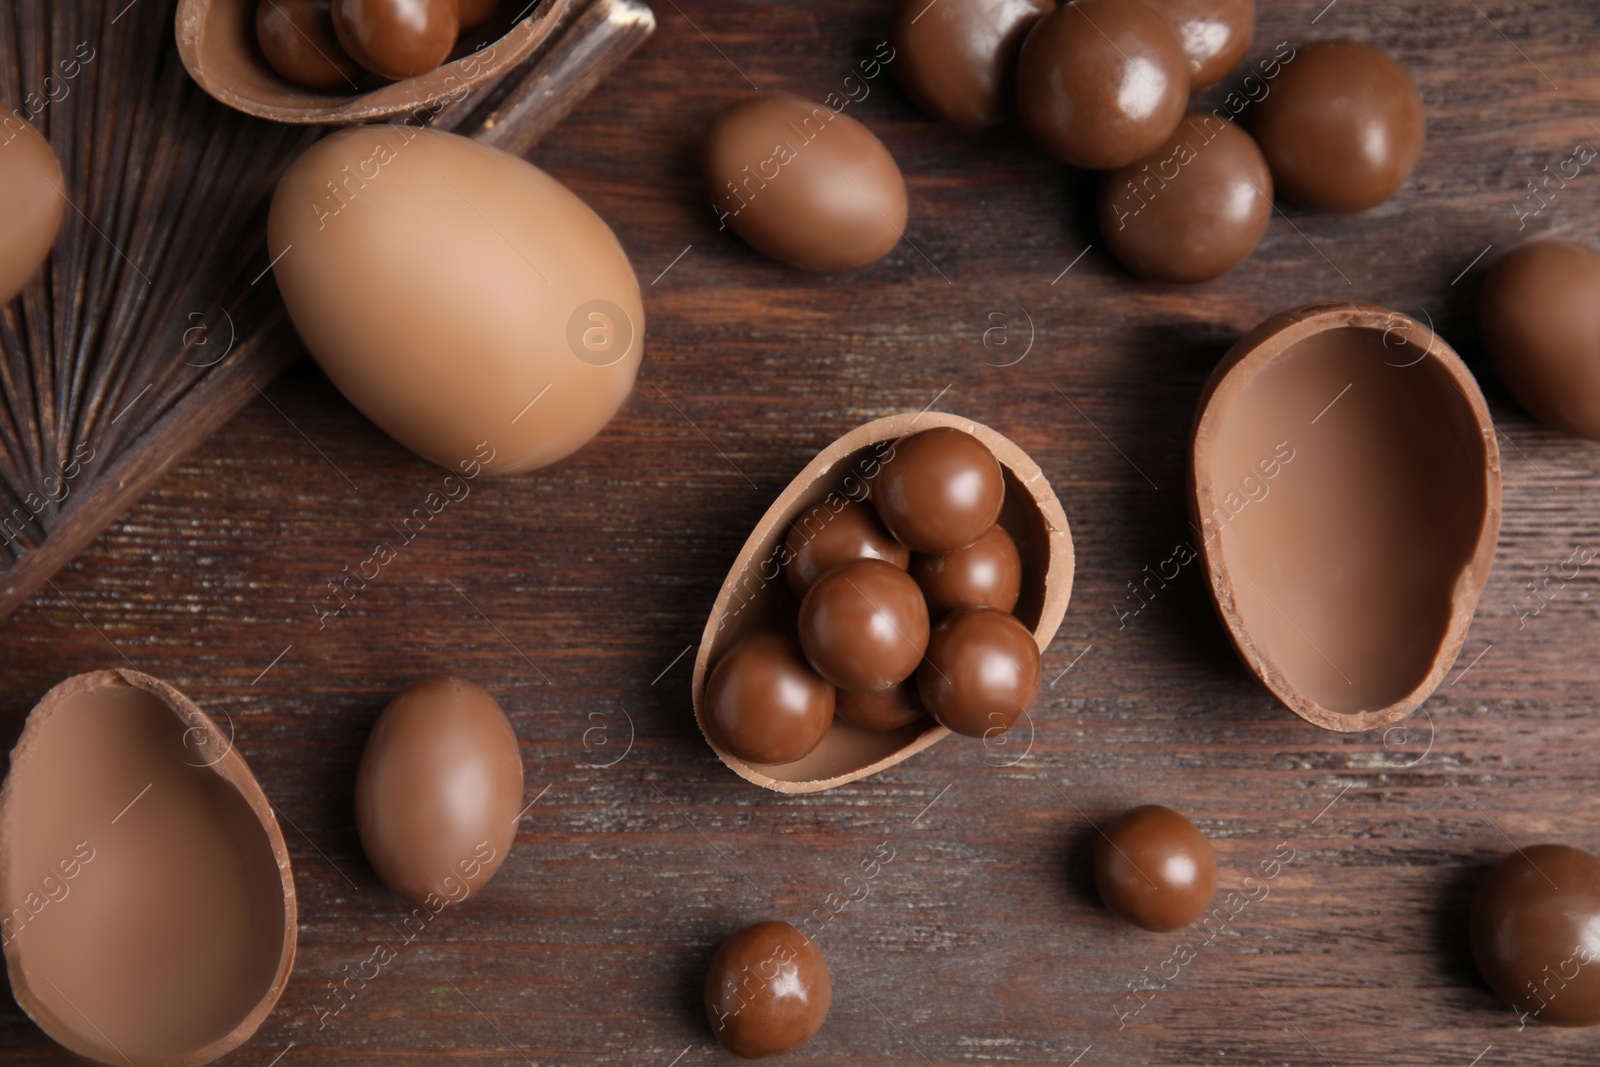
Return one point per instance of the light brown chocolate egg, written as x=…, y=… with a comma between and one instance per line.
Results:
x=34, y=194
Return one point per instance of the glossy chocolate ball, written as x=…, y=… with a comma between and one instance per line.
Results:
x=1535, y=932
x=1215, y=34
x=768, y=990
x=981, y=672
x=764, y=704
x=1540, y=313
x=823, y=538
x=939, y=489
x=881, y=711
x=1101, y=83
x=984, y=574
x=864, y=625
x=397, y=38
x=299, y=41
x=475, y=13
x=957, y=59
x=1191, y=210
x=804, y=183
x=34, y=194
x=1154, y=868
x=1342, y=127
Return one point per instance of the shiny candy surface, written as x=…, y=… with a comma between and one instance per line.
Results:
x=1154, y=868
x=768, y=990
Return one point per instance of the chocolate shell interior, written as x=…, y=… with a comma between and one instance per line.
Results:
x=756, y=596
x=1346, y=486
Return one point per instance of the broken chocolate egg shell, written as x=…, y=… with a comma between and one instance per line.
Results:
x=1345, y=484
x=147, y=904
x=756, y=597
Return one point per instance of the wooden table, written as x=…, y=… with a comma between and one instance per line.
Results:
x=576, y=595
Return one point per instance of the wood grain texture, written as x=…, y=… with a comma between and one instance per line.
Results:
x=576, y=594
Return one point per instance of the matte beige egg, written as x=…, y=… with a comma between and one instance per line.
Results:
x=34, y=194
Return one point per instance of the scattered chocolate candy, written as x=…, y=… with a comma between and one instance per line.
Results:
x=864, y=625
x=883, y=710
x=1342, y=128
x=984, y=574
x=1215, y=34
x=981, y=672
x=299, y=41
x=439, y=790
x=768, y=990
x=804, y=183
x=1154, y=868
x=397, y=38
x=1101, y=83
x=34, y=193
x=1540, y=314
x=763, y=702
x=1191, y=210
x=938, y=490
x=822, y=539
x=1535, y=932
x=957, y=59
x=475, y=13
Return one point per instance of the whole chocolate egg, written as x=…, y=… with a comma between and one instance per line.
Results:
x=397, y=38
x=467, y=302
x=34, y=194
x=768, y=990
x=823, y=538
x=957, y=59
x=765, y=704
x=299, y=41
x=1155, y=868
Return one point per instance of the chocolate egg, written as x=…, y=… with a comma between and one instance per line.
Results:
x=1101, y=83
x=765, y=704
x=768, y=990
x=981, y=672
x=984, y=574
x=147, y=906
x=1535, y=933
x=1346, y=486
x=298, y=39
x=882, y=710
x=1154, y=868
x=1191, y=210
x=439, y=791
x=1215, y=34
x=864, y=625
x=1540, y=314
x=804, y=183
x=467, y=302
x=34, y=193
x=938, y=490
x=397, y=38
x=1342, y=127
x=823, y=538
x=957, y=59
x=475, y=13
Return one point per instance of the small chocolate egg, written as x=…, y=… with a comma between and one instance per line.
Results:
x=299, y=41
x=768, y=990
x=1101, y=83
x=1342, y=127
x=981, y=672
x=475, y=13
x=804, y=183
x=864, y=625
x=822, y=538
x=881, y=711
x=1540, y=314
x=938, y=490
x=439, y=790
x=1215, y=34
x=1154, y=868
x=35, y=198
x=397, y=38
x=957, y=59
x=1191, y=210
x=984, y=574
x=765, y=704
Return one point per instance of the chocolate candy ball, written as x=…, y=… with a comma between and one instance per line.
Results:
x=1101, y=83
x=881, y=711
x=299, y=41
x=33, y=191
x=1191, y=210
x=397, y=38
x=1535, y=932
x=1154, y=868
x=1342, y=127
x=1215, y=34
x=864, y=625
x=768, y=990
x=981, y=672
x=764, y=704
x=1540, y=313
x=822, y=538
x=957, y=59
x=475, y=13
x=939, y=489
x=984, y=574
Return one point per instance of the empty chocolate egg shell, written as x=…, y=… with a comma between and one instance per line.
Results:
x=1345, y=483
